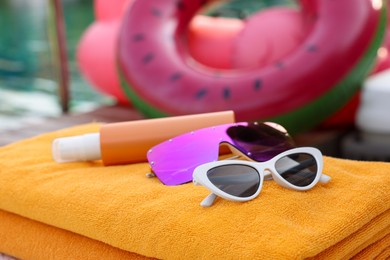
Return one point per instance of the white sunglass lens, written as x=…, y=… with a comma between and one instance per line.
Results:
x=235, y=179
x=299, y=169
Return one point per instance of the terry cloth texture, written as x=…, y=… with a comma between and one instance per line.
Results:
x=28, y=239
x=120, y=207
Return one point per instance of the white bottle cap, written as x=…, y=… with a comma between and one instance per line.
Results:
x=77, y=148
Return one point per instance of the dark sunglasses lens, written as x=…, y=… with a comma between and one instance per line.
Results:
x=237, y=180
x=299, y=169
x=259, y=141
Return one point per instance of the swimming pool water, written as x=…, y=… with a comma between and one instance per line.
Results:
x=28, y=87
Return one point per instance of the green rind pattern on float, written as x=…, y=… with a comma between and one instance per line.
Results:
x=145, y=108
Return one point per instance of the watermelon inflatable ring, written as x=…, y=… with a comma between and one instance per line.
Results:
x=299, y=91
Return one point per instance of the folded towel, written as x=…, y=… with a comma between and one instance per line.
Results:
x=119, y=206
x=376, y=230
x=380, y=250
x=28, y=239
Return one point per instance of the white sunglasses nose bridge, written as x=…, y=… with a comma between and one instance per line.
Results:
x=267, y=173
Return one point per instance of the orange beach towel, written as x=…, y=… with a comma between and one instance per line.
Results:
x=24, y=238
x=119, y=206
x=28, y=239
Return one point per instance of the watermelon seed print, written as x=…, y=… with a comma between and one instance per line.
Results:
x=295, y=91
x=257, y=84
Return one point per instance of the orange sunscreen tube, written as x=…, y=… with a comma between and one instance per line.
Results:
x=128, y=142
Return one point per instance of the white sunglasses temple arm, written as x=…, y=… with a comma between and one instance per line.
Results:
x=209, y=200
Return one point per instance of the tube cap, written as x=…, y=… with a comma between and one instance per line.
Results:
x=77, y=148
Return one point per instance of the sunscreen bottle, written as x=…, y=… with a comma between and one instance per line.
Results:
x=128, y=142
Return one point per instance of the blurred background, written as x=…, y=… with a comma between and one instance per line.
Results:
x=29, y=88
x=32, y=68
x=29, y=84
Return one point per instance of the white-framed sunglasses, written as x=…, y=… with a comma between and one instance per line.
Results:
x=238, y=180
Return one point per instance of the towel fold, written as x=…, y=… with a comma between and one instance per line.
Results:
x=379, y=250
x=24, y=238
x=28, y=239
x=121, y=207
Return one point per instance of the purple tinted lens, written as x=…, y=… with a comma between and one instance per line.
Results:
x=174, y=160
x=258, y=141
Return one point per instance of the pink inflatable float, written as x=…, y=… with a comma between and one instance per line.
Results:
x=210, y=42
x=298, y=91
x=268, y=36
x=97, y=49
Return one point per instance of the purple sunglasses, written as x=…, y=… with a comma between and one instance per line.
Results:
x=173, y=161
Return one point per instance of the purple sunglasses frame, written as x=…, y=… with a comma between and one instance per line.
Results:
x=173, y=161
